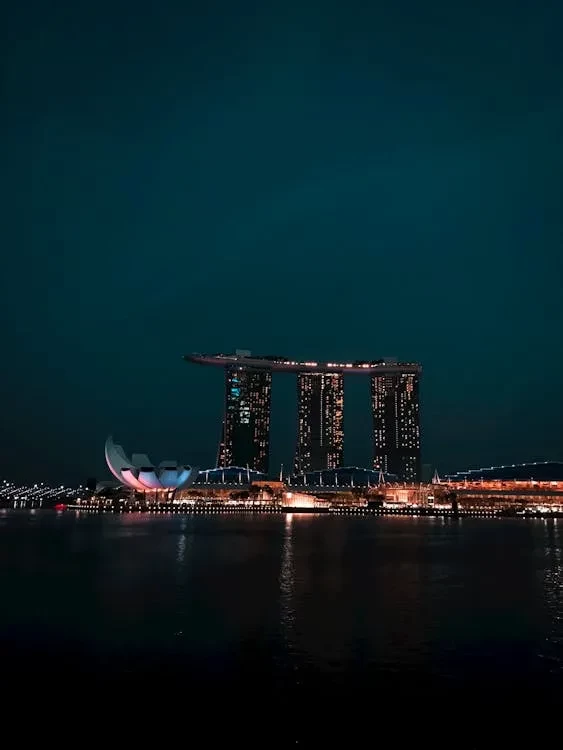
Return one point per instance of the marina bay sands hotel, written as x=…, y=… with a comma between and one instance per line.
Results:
x=245, y=437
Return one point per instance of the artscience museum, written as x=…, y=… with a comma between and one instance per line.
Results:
x=140, y=474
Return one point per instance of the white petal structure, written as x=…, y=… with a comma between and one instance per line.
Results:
x=139, y=472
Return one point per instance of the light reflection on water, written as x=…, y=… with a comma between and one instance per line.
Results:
x=287, y=582
x=552, y=579
x=305, y=596
x=182, y=542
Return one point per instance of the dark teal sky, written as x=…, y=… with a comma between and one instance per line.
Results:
x=322, y=180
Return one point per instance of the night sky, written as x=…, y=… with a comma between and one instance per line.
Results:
x=317, y=180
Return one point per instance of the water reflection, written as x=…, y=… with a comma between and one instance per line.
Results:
x=553, y=594
x=287, y=584
x=302, y=603
x=182, y=541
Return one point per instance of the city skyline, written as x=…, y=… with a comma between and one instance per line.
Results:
x=319, y=445
x=335, y=181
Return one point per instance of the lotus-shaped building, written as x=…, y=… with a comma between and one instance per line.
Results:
x=140, y=474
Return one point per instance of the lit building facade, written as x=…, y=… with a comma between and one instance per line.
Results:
x=396, y=424
x=320, y=388
x=245, y=438
x=320, y=434
x=140, y=474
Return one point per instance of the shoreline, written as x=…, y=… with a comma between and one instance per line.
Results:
x=174, y=509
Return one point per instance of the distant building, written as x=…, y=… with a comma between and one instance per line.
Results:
x=426, y=473
x=396, y=424
x=302, y=501
x=245, y=438
x=320, y=434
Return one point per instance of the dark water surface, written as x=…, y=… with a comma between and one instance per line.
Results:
x=294, y=608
